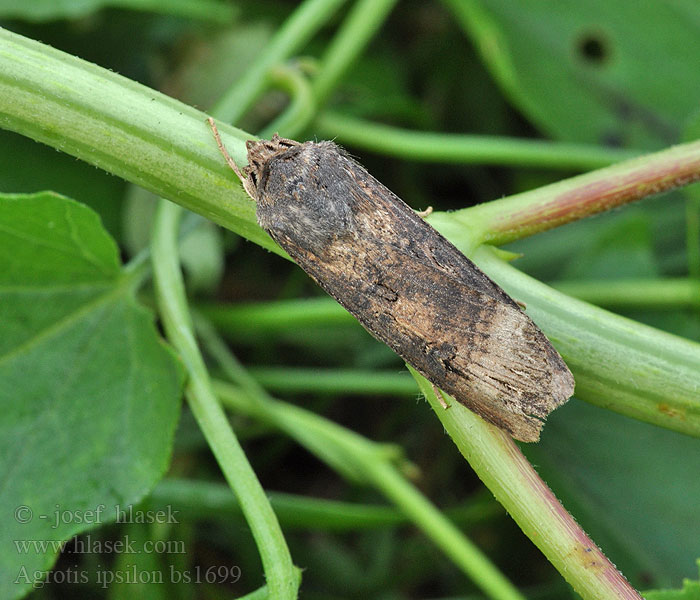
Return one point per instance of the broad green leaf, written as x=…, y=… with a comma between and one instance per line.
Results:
x=633, y=487
x=619, y=249
x=28, y=167
x=690, y=591
x=622, y=73
x=89, y=395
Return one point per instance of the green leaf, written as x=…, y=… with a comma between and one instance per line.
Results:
x=690, y=591
x=89, y=395
x=592, y=71
x=619, y=249
x=29, y=167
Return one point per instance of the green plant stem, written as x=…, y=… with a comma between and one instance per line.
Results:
x=206, y=500
x=357, y=458
x=365, y=18
x=306, y=20
x=302, y=104
x=427, y=146
x=276, y=316
x=618, y=363
x=339, y=381
x=125, y=128
x=166, y=147
x=670, y=294
x=371, y=464
x=361, y=24
x=519, y=216
x=282, y=579
x=507, y=473
x=214, y=11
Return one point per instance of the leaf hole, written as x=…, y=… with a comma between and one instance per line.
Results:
x=594, y=48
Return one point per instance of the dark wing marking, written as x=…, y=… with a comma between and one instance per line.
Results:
x=415, y=291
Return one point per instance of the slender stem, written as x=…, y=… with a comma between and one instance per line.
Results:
x=345, y=381
x=368, y=462
x=356, y=457
x=454, y=148
x=363, y=22
x=443, y=533
x=214, y=11
x=500, y=464
x=306, y=20
x=201, y=499
x=524, y=214
x=243, y=318
x=671, y=294
x=302, y=104
x=280, y=573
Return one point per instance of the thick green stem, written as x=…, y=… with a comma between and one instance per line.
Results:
x=692, y=219
x=166, y=147
x=519, y=216
x=125, y=128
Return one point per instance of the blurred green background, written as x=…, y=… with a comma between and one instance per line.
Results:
x=616, y=73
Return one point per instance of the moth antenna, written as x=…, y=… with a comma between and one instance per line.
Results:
x=224, y=152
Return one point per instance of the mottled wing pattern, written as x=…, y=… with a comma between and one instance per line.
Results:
x=411, y=288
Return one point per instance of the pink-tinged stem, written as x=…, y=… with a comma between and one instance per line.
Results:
x=518, y=216
x=576, y=551
x=500, y=464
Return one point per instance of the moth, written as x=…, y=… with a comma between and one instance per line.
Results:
x=404, y=282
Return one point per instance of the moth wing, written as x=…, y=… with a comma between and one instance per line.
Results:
x=414, y=290
x=488, y=354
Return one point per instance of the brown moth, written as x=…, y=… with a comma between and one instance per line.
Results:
x=405, y=283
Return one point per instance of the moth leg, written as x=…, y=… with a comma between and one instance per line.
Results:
x=424, y=213
x=441, y=397
x=224, y=152
x=521, y=304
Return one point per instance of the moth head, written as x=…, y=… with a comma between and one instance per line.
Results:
x=259, y=153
